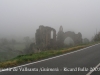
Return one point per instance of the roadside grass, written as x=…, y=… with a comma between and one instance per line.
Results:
x=22, y=59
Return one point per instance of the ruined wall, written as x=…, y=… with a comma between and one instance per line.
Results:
x=61, y=36
x=77, y=38
x=43, y=37
x=46, y=37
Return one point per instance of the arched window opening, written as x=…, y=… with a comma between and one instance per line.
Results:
x=51, y=34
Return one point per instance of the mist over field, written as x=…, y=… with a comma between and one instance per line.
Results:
x=19, y=20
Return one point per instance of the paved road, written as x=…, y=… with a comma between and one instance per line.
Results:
x=96, y=72
x=82, y=60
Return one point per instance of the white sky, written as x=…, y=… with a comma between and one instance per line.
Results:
x=19, y=18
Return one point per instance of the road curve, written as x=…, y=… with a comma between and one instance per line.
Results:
x=75, y=63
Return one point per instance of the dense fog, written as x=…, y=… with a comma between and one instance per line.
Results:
x=19, y=20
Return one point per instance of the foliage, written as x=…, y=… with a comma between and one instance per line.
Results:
x=8, y=52
x=97, y=37
x=85, y=40
x=37, y=56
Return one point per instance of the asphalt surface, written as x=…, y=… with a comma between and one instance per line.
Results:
x=76, y=63
x=96, y=72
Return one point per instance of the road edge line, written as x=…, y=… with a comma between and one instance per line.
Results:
x=89, y=73
x=48, y=58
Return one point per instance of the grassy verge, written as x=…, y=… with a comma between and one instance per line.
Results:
x=38, y=56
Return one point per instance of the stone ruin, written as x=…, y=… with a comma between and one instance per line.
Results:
x=46, y=37
x=61, y=36
x=77, y=38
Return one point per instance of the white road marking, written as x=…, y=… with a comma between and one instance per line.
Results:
x=93, y=69
x=47, y=59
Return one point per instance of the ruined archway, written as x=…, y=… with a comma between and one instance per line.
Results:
x=77, y=38
x=46, y=37
x=61, y=36
x=69, y=41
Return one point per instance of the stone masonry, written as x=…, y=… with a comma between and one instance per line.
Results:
x=45, y=37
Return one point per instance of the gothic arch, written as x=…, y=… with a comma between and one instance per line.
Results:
x=77, y=38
